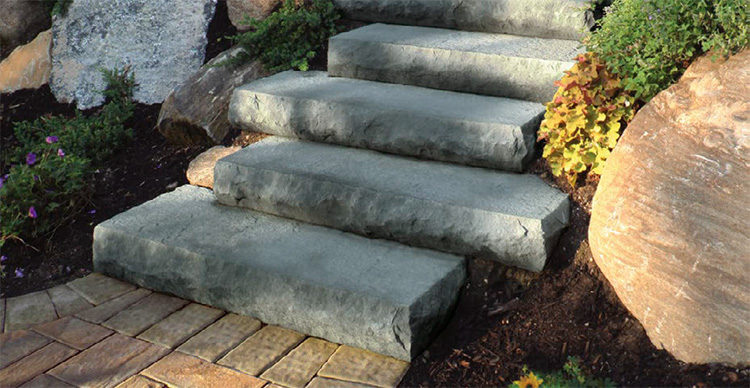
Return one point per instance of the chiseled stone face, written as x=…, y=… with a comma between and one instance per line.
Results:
x=670, y=227
x=164, y=42
x=28, y=66
x=238, y=10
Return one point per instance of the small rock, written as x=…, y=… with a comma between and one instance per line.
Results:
x=20, y=22
x=200, y=172
x=254, y=9
x=28, y=66
x=196, y=112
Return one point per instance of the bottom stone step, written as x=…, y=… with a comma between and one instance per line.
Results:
x=372, y=294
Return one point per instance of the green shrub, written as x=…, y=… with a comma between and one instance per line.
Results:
x=94, y=137
x=41, y=194
x=650, y=43
x=583, y=122
x=49, y=178
x=571, y=375
x=289, y=37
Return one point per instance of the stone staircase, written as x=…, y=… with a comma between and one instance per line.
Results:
x=351, y=224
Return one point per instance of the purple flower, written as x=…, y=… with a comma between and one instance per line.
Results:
x=31, y=158
x=19, y=272
x=36, y=178
x=51, y=139
x=93, y=211
x=2, y=182
x=60, y=153
x=3, y=258
x=32, y=212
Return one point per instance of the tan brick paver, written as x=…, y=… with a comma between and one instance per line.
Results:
x=66, y=301
x=322, y=382
x=181, y=370
x=262, y=349
x=109, y=362
x=46, y=381
x=144, y=314
x=139, y=381
x=18, y=344
x=178, y=327
x=97, y=288
x=220, y=337
x=365, y=367
x=34, y=364
x=300, y=365
x=22, y=312
x=111, y=307
x=73, y=332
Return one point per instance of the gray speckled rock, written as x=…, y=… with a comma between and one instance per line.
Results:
x=473, y=62
x=164, y=42
x=560, y=19
x=378, y=295
x=511, y=218
x=404, y=120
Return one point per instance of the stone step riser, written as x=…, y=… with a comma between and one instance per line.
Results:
x=514, y=219
x=512, y=66
x=404, y=120
x=376, y=295
x=560, y=19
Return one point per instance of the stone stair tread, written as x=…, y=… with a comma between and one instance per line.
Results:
x=407, y=120
x=472, y=62
x=374, y=294
x=564, y=19
x=511, y=218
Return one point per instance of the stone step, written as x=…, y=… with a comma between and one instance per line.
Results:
x=561, y=19
x=511, y=218
x=372, y=294
x=472, y=62
x=404, y=120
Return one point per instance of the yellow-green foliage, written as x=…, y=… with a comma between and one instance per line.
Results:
x=582, y=124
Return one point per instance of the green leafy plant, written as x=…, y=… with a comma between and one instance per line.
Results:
x=650, y=43
x=59, y=7
x=583, y=122
x=571, y=375
x=47, y=175
x=290, y=37
x=94, y=137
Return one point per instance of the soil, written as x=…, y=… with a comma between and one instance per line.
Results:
x=505, y=318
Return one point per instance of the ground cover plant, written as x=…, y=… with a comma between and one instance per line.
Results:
x=290, y=37
x=649, y=44
x=47, y=174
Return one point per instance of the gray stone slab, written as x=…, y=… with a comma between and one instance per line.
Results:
x=378, y=295
x=472, y=62
x=99, y=34
x=562, y=19
x=23, y=312
x=512, y=218
x=404, y=120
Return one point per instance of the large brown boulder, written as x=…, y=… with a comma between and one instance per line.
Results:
x=670, y=225
x=28, y=66
x=21, y=21
x=196, y=112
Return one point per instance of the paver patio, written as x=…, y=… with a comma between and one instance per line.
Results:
x=99, y=332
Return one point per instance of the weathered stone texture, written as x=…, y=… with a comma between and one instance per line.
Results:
x=164, y=42
x=28, y=66
x=255, y=9
x=196, y=111
x=200, y=171
x=670, y=227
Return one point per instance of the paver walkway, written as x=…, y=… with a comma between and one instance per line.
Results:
x=100, y=332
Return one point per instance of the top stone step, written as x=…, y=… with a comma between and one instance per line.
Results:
x=560, y=19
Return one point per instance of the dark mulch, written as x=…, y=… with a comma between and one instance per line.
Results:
x=508, y=318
